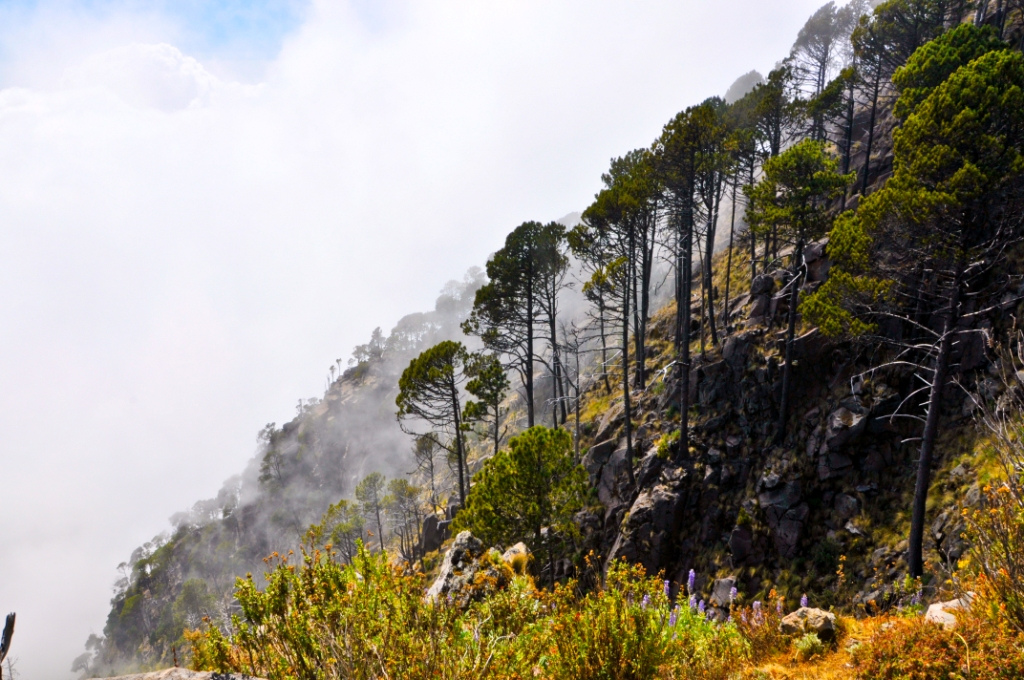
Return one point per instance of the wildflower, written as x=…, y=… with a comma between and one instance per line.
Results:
x=668, y=589
x=743, y=615
x=778, y=606
x=693, y=602
x=732, y=594
x=701, y=607
x=803, y=600
x=645, y=601
x=673, y=617
x=691, y=581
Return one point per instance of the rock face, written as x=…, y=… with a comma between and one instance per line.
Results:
x=785, y=515
x=647, y=535
x=810, y=620
x=183, y=674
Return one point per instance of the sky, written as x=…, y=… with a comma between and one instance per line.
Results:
x=204, y=204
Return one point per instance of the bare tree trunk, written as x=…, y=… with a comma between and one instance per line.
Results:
x=871, y=127
x=627, y=410
x=728, y=259
x=848, y=142
x=787, y=367
x=709, y=253
x=685, y=266
x=460, y=451
x=915, y=548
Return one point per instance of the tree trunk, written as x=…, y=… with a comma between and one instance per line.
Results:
x=529, y=346
x=604, y=343
x=848, y=142
x=627, y=410
x=915, y=548
x=871, y=127
x=750, y=232
x=685, y=266
x=645, y=301
x=787, y=367
x=709, y=252
x=728, y=259
x=460, y=452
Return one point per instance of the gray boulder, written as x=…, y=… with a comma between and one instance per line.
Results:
x=810, y=620
x=941, y=613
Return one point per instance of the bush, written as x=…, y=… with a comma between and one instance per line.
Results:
x=323, y=620
x=915, y=649
x=760, y=626
x=809, y=646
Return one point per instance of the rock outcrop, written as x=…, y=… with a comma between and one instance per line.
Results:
x=810, y=620
x=468, y=571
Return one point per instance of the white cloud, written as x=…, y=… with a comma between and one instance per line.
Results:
x=148, y=76
x=185, y=254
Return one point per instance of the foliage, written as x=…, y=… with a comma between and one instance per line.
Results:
x=489, y=384
x=532, y=486
x=341, y=526
x=935, y=61
x=760, y=626
x=916, y=649
x=428, y=392
x=323, y=620
x=791, y=196
x=809, y=646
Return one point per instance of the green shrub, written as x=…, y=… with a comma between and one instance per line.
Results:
x=809, y=646
x=667, y=444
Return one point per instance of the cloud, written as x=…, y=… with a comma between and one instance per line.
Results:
x=146, y=76
x=188, y=243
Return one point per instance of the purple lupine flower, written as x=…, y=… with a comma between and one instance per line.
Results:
x=757, y=612
x=743, y=615
x=693, y=602
x=674, y=616
x=778, y=606
x=732, y=594
x=701, y=607
x=691, y=581
x=668, y=589
x=644, y=602
x=916, y=599
x=803, y=600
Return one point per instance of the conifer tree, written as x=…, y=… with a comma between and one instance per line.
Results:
x=520, y=299
x=489, y=384
x=528, y=492
x=429, y=392
x=791, y=201
x=371, y=494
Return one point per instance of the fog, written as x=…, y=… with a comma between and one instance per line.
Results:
x=203, y=205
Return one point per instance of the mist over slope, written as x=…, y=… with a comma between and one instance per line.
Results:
x=758, y=450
